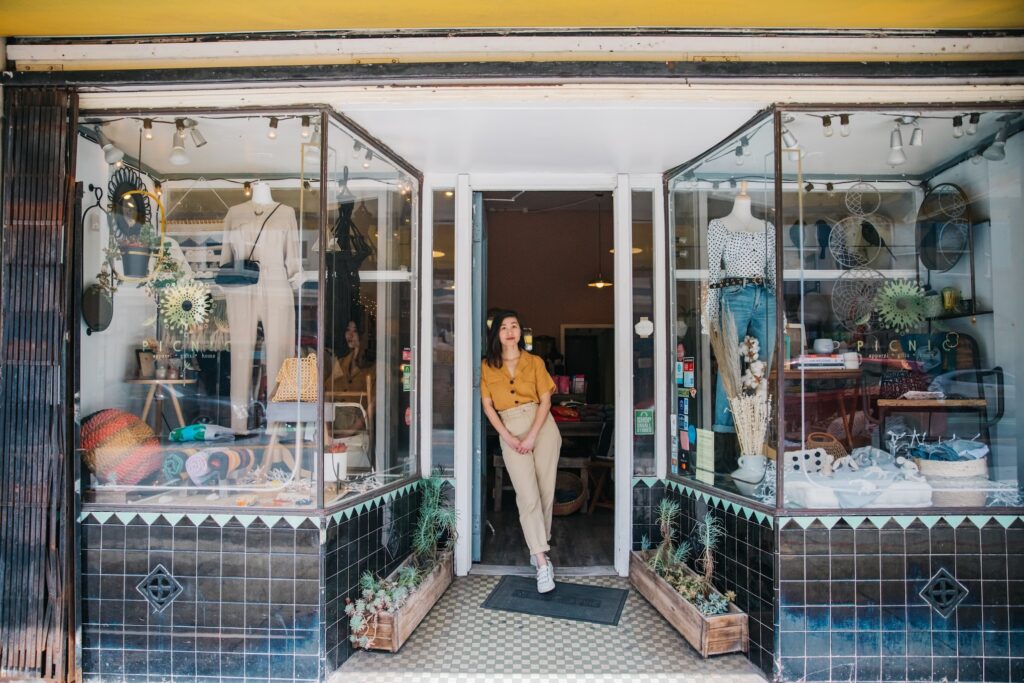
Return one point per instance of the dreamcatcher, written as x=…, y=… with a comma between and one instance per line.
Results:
x=862, y=199
x=853, y=297
x=855, y=241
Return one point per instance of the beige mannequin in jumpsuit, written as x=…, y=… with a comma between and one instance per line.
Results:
x=270, y=301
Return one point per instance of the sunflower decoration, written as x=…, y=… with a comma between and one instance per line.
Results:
x=185, y=305
x=900, y=305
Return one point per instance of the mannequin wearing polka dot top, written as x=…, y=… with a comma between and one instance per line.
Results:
x=741, y=246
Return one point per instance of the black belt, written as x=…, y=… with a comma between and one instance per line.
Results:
x=741, y=281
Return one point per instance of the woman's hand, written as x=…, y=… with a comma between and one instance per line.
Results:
x=513, y=442
x=527, y=444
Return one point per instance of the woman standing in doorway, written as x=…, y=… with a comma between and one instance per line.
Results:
x=516, y=391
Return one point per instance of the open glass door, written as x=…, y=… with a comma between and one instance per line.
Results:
x=480, y=324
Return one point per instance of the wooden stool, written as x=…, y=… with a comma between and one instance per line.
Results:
x=582, y=464
x=158, y=392
x=604, y=466
x=499, y=481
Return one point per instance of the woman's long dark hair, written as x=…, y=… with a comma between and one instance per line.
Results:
x=494, y=340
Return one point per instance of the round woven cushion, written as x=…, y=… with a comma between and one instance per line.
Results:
x=120, y=448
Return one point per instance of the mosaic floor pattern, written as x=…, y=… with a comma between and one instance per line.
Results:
x=461, y=641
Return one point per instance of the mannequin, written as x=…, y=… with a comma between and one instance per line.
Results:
x=741, y=279
x=269, y=301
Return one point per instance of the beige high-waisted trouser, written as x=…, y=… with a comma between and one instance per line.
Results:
x=533, y=474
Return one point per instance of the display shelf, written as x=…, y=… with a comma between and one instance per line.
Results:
x=953, y=316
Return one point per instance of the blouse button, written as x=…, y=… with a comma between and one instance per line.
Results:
x=511, y=381
x=517, y=401
x=512, y=391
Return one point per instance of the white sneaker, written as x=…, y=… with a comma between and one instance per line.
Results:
x=545, y=579
x=533, y=560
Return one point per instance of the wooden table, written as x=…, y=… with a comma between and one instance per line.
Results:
x=841, y=374
x=934, y=405
x=156, y=392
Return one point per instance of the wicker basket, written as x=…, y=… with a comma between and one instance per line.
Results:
x=960, y=469
x=568, y=480
x=303, y=369
x=831, y=444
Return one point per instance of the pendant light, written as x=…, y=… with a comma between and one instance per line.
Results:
x=599, y=282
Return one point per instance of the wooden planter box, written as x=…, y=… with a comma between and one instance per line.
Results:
x=709, y=635
x=394, y=629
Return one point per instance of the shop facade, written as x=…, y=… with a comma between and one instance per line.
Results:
x=202, y=558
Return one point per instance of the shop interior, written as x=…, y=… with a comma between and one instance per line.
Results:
x=898, y=301
x=202, y=291
x=549, y=257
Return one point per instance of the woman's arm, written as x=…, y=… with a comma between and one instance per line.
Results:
x=526, y=445
x=499, y=426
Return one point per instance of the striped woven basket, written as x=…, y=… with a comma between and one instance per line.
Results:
x=120, y=448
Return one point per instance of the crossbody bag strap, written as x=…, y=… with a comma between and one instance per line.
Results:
x=258, y=236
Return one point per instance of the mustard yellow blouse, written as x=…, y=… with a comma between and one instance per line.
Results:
x=530, y=382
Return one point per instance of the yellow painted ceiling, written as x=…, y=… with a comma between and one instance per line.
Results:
x=148, y=17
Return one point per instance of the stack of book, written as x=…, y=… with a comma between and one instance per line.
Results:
x=817, y=362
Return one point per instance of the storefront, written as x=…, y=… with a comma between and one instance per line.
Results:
x=238, y=468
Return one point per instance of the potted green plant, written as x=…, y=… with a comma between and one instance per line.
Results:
x=688, y=600
x=388, y=610
x=137, y=249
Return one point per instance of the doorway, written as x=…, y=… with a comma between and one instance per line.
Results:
x=542, y=254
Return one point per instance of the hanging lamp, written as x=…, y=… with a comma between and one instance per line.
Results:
x=599, y=282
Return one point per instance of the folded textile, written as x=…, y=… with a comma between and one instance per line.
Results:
x=952, y=450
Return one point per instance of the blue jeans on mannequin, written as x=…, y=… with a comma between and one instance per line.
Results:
x=752, y=308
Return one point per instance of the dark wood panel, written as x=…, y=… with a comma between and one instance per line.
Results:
x=36, y=540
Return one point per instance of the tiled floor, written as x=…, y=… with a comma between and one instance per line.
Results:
x=461, y=641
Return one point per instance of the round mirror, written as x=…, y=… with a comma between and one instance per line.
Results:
x=97, y=308
x=127, y=213
x=943, y=227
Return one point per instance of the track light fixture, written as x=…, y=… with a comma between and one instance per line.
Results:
x=844, y=125
x=147, y=128
x=826, y=123
x=958, y=126
x=111, y=154
x=745, y=145
x=830, y=189
x=197, y=137
x=368, y=158
x=997, y=150
x=809, y=187
x=972, y=123
x=896, y=153
x=917, y=137
x=305, y=128
x=158, y=188
x=791, y=143
x=272, y=128
x=739, y=155
x=247, y=189
x=178, y=156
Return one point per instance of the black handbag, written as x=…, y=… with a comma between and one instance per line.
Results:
x=243, y=272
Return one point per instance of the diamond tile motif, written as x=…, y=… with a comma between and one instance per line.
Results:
x=944, y=593
x=159, y=588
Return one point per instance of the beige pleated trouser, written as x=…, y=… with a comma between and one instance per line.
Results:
x=533, y=474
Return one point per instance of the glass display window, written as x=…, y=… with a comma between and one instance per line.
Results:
x=242, y=273
x=901, y=303
x=723, y=263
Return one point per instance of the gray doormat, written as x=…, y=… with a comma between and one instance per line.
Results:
x=595, y=604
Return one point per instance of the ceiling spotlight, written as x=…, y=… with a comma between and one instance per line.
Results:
x=745, y=145
x=972, y=123
x=917, y=137
x=789, y=139
x=997, y=150
x=958, y=126
x=830, y=189
x=111, y=154
x=809, y=187
x=272, y=129
x=826, y=122
x=368, y=158
x=449, y=194
x=306, y=185
x=312, y=152
x=896, y=154
x=197, y=137
x=844, y=125
x=178, y=156
x=147, y=128
x=732, y=183
x=739, y=156
x=158, y=188
x=247, y=189
x=305, y=128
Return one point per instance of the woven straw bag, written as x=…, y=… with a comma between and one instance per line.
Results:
x=293, y=371
x=831, y=444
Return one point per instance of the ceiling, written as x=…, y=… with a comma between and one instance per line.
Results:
x=115, y=17
x=865, y=151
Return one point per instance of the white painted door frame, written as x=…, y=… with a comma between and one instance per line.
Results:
x=622, y=186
